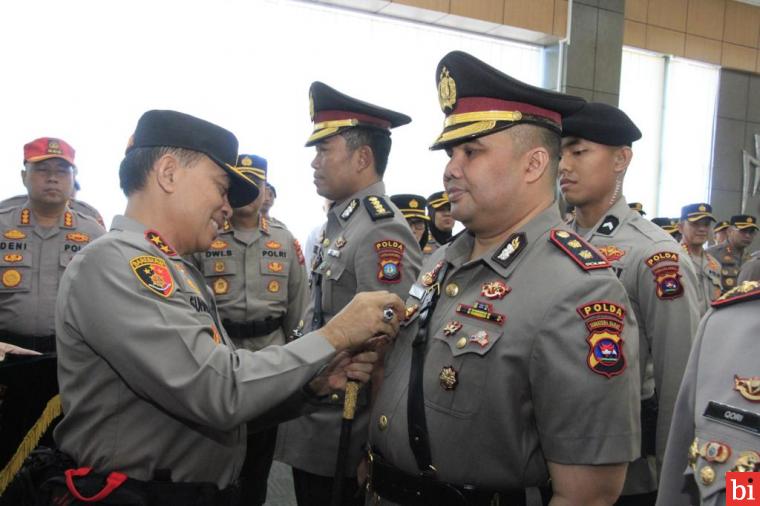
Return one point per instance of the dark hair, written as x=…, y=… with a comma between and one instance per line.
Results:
x=528, y=136
x=379, y=141
x=138, y=162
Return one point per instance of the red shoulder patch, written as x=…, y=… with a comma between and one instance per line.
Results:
x=583, y=253
x=299, y=251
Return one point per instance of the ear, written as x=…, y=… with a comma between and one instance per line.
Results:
x=166, y=171
x=364, y=158
x=537, y=163
x=23, y=174
x=681, y=226
x=622, y=159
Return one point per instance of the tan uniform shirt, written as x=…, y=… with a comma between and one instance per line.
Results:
x=148, y=377
x=257, y=278
x=75, y=205
x=716, y=424
x=731, y=262
x=662, y=286
x=431, y=246
x=359, y=253
x=708, y=278
x=32, y=261
x=530, y=358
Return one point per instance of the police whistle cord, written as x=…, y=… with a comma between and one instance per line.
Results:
x=29, y=443
x=349, y=410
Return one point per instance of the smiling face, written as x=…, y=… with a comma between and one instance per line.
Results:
x=199, y=205
x=49, y=182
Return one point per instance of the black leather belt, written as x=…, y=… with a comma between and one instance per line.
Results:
x=397, y=486
x=43, y=344
x=251, y=329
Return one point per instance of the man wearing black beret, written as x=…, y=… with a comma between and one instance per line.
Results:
x=155, y=396
x=510, y=372
x=596, y=152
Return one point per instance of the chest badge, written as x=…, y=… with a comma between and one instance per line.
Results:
x=611, y=252
x=273, y=286
x=11, y=278
x=218, y=266
x=77, y=237
x=448, y=378
x=749, y=388
x=14, y=234
x=480, y=337
x=429, y=278
x=481, y=311
x=221, y=286
x=494, y=289
x=13, y=258
x=410, y=311
x=275, y=266
x=273, y=245
x=218, y=244
x=452, y=328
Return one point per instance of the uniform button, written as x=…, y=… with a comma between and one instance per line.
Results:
x=326, y=243
x=707, y=475
x=452, y=289
x=335, y=397
x=462, y=342
x=382, y=423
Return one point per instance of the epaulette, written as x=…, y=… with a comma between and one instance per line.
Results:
x=378, y=208
x=585, y=255
x=748, y=290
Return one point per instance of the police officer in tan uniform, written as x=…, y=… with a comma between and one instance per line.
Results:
x=412, y=208
x=733, y=253
x=659, y=279
x=152, y=386
x=365, y=245
x=716, y=423
x=518, y=361
x=441, y=223
x=695, y=229
x=40, y=236
x=720, y=232
x=256, y=270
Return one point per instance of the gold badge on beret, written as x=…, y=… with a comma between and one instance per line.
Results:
x=447, y=90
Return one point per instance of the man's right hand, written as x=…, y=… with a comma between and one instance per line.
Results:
x=362, y=319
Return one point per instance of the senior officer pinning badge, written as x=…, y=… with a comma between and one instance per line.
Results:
x=749, y=388
x=389, y=252
x=448, y=378
x=510, y=249
x=156, y=240
x=14, y=234
x=154, y=274
x=494, y=289
x=604, y=320
x=611, y=253
x=579, y=250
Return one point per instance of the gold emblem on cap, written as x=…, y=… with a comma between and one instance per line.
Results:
x=246, y=162
x=452, y=289
x=382, y=422
x=707, y=475
x=414, y=204
x=311, y=107
x=750, y=219
x=447, y=90
x=702, y=208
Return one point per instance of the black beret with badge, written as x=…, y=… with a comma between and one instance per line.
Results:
x=159, y=128
x=603, y=124
x=696, y=212
x=479, y=100
x=332, y=112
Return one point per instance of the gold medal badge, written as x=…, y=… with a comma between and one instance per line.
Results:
x=447, y=90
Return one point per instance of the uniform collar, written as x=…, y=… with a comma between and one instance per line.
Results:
x=337, y=209
x=152, y=237
x=523, y=240
x=612, y=220
x=25, y=217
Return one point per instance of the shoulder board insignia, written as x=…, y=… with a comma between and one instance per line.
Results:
x=26, y=216
x=14, y=234
x=748, y=290
x=348, y=211
x=154, y=274
x=662, y=256
x=77, y=237
x=264, y=225
x=68, y=219
x=158, y=242
x=218, y=244
x=227, y=225
x=512, y=247
x=299, y=251
x=609, y=225
x=377, y=207
x=585, y=255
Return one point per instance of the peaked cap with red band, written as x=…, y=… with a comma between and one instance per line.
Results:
x=479, y=100
x=332, y=111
